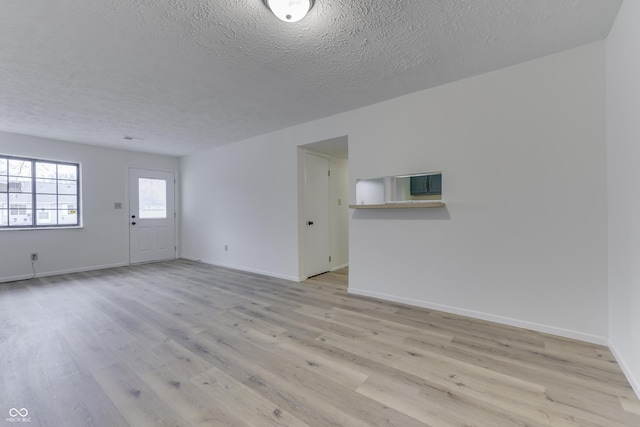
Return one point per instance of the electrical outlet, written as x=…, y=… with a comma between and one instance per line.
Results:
x=34, y=256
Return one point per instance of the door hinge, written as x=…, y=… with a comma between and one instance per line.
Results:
x=329, y=258
x=328, y=173
x=174, y=215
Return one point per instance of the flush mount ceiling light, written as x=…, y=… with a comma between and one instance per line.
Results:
x=289, y=10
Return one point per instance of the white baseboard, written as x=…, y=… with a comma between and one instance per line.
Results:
x=336, y=268
x=247, y=269
x=633, y=381
x=59, y=272
x=595, y=339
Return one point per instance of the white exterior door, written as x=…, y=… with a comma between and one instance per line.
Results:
x=152, y=216
x=318, y=245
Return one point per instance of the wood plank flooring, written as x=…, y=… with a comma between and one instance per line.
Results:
x=182, y=343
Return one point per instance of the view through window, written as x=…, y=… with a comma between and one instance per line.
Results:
x=152, y=197
x=38, y=193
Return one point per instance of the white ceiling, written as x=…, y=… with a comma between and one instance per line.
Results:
x=185, y=75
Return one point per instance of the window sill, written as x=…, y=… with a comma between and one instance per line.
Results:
x=70, y=227
x=395, y=205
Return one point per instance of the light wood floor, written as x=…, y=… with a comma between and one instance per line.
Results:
x=183, y=344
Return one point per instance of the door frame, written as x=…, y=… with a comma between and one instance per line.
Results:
x=177, y=208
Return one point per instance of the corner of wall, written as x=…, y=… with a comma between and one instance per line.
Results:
x=626, y=370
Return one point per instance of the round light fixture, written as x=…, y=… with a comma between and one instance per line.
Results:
x=289, y=10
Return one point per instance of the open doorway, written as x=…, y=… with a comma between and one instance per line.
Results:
x=335, y=151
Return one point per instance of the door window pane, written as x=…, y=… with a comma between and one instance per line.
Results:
x=152, y=198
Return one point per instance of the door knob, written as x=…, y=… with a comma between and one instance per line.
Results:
x=133, y=223
x=310, y=223
x=133, y=216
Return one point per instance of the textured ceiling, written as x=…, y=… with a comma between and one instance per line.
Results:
x=185, y=75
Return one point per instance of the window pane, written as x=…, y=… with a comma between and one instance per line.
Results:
x=46, y=201
x=67, y=187
x=4, y=209
x=4, y=186
x=20, y=210
x=67, y=216
x=3, y=166
x=152, y=198
x=19, y=185
x=20, y=167
x=46, y=217
x=68, y=202
x=19, y=220
x=69, y=172
x=46, y=170
x=20, y=199
x=46, y=186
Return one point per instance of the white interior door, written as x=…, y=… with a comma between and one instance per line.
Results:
x=317, y=209
x=151, y=215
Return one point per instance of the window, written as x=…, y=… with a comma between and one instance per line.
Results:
x=38, y=193
x=152, y=198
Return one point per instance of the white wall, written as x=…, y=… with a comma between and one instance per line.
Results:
x=623, y=167
x=523, y=239
x=243, y=195
x=104, y=239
